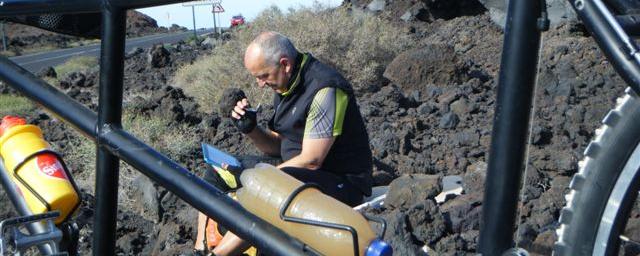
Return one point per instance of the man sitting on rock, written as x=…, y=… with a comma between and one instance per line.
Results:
x=317, y=128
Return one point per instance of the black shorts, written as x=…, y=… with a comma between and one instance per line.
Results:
x=330, y=184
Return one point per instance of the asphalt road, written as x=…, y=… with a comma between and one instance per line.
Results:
x=36, y=61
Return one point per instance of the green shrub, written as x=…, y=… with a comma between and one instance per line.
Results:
x=15, y=105
x=358, y=44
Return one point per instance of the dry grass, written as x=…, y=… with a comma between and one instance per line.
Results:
x=77, y=64
x=83, y=43
x=37, y=49
x=358, y=44
x=153, y=131
x=81, y=151
x=15, y=105
x=7, y=53
x=83, y=64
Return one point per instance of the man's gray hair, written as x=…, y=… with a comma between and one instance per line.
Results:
x=275, y=46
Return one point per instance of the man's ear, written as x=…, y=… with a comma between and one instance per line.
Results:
x=284, y=62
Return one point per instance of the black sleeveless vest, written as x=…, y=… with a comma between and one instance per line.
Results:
x=350, y=155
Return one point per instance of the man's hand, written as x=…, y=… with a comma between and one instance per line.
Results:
x=244, y=118
x=236, y=171
x=234, y=102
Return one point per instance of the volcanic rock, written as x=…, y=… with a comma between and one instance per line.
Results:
x=449, y=121
x=158, y=56
x=135, y=51
x=416, y=12
x=147, y=196
x=229, y=99
x=419, y=68
x=408, y=190
x=463, y=212
x=376, y=5
x=400, y=237
x=47, y=72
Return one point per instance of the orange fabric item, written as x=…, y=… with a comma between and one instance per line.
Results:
x=212, y=234
x=10, y=121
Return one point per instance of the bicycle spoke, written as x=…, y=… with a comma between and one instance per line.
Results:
x=627, y=240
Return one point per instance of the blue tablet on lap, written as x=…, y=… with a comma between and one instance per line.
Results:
x=216, y=157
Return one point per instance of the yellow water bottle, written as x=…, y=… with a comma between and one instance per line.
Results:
x=265, y=191
x=42, y=178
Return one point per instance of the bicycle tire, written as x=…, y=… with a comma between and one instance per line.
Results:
x=604, y=175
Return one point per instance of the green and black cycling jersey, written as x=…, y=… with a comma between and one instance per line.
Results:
x=319, y=104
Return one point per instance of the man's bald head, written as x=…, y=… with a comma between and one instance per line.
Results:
x=271, y=58
x=268, y=48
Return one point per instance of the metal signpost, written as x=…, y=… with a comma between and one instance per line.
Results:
x=214, y=3
x=193, y=13
x=217, y=8
x=4, y=38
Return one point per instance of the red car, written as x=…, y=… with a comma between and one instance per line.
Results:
x=237, y=20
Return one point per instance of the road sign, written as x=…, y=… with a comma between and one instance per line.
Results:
x=218, y=8
x=202, y=2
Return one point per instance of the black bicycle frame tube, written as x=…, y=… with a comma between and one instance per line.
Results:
x=629, y=23
x=109, y=117
x=197, y=193
x=211, y=201
x=612, y=39
x=22, y=208
x=510, y=126
x=36, y=7
x=76, y=114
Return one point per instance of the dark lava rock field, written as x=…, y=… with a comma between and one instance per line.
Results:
x=429, y=118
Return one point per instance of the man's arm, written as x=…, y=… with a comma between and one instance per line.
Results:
x=312, y=155
x=324, y=123
x=266, y=140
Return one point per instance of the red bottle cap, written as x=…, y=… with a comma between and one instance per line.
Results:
x=10, y=121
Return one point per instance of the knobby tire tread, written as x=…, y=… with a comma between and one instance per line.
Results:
x=604, y=159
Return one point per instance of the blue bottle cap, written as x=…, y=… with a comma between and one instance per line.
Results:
x=379, y=248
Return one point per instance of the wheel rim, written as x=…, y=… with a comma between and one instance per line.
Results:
x=618, y=207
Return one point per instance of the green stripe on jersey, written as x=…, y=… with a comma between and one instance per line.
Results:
x=341, y=108
x=326, y=113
